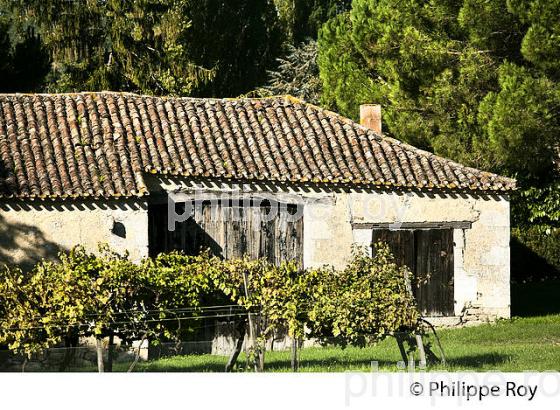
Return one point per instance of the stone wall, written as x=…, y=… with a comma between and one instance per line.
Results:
x=481, y=253
x=30, y=231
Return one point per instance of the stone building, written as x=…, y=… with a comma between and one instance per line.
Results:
x=273, y=177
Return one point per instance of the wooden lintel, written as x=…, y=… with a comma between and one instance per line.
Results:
x=216, y=195
x=413, y=225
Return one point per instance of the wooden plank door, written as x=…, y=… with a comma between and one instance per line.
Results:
x=434, y=272
x=401, y=245
x=429, y=256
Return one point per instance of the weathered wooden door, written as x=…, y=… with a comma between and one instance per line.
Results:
x=231, y=231
x=429, y=255
x=434, y=268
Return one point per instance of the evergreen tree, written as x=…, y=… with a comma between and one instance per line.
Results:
x=239, y=39
x=297, y=74
x=186, y=47
x=24, y=61
x=301, y=19
x=133, y=45
x=473, y=80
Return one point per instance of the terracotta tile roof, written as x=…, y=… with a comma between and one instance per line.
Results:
x=101, y=145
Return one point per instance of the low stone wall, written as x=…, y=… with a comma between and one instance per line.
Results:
x=68, y=358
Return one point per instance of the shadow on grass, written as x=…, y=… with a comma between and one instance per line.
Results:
x=479, y=360
x=280, y=365
x=185, y=364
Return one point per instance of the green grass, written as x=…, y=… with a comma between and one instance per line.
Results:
x=520, y=344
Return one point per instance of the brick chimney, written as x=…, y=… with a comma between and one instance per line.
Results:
x=370, y=116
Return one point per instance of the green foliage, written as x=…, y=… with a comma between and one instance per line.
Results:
x=79, y=293
x=270, y=290
x=84, y=294
x=541, y=42
x=118, y=45
x=26, y=314
x=539, y=206
x=239, y=39
x=96, y=295
x=24, y=62
x=178, y=47
x=346, y=81
x=475, y=81
x=470, y=80
x=367, y=301
x=522, y=121
x=535, y=253
x=301, y=19
x=164, y=284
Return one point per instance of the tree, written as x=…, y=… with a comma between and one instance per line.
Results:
x=182, y=47
x=297, y=74
x=301, y=19
x=445, y=73
x=24, y=61
x=135, y=45
x=476, y=81
x=238, y=38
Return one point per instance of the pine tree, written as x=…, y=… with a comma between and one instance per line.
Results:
x=301, y=19
x=473, y=80
x=24, y=61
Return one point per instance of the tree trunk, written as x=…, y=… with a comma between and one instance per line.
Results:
x=99, y=349
x=242, y=330
x=252, y=342
x=137, y=354
x=70, y=343
x=261, y=348
x=400, y=342
x=252, y=345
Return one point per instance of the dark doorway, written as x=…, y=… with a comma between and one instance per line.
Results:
x=258, y=230
x=429, y=255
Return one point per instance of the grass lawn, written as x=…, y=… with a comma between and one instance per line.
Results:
x=520, y=344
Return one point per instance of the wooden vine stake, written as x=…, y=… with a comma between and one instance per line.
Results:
x=241, y=330
x=422, y=352
x=99, y=349
x=417, y=335
x=294, y=354
x=252, y=347
x=110, y=353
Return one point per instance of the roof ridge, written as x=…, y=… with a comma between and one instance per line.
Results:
x=287, y=97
